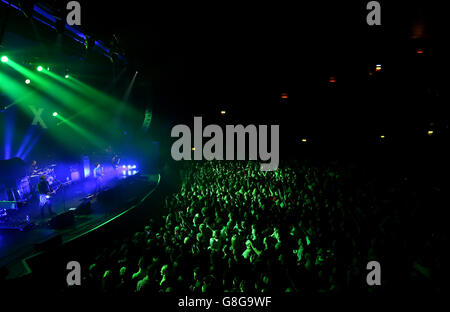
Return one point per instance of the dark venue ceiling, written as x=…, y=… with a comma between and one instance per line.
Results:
x=196, y=59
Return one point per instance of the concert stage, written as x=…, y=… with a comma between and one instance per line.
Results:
x=77, y=212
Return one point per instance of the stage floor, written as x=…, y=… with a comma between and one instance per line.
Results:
x=16, y=245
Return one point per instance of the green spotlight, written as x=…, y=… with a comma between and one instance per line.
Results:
x=66, y=76
x=27, y=81
x=4, y=59
x=40, y=68
x=55, y=114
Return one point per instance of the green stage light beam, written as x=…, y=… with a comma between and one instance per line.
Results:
x=101, y=98
x=21, y=99
x=20, y=94
x=100, y=116
x=13, y=89
x=124, y=112
x=106, y=100
x=83, y=111
x=4, y=59
x=93, y=95
x=57, y=92
x=93, y=139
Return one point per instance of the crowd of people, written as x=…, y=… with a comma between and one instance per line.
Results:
x=234, y=228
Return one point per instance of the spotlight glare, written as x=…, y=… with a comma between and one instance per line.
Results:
x=304, y=140
x=27, y=81
x=4, y=59
x=66, y=76
x=55, y=114
x=40, y=68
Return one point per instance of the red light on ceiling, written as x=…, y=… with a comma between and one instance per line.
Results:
x=284, y=95
x=332, y=79
x=419, y=51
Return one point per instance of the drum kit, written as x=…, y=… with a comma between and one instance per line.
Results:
x=25, y=190
x=27, y=186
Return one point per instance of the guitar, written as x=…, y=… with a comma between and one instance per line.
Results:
x=52, y=193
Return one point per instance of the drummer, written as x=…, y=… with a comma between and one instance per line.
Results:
x=33, y=169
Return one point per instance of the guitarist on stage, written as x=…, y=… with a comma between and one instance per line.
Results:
x=115, y=161
x=45, y=191
x=98, y=175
